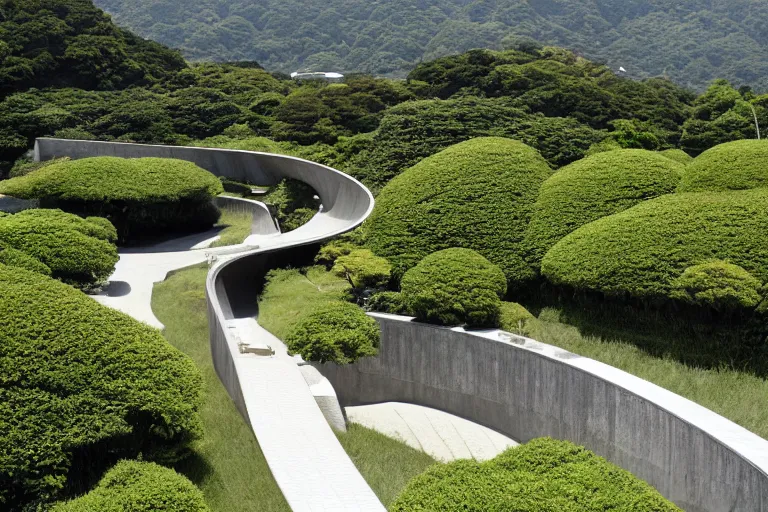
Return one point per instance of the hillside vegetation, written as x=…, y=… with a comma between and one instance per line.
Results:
x=692, y=42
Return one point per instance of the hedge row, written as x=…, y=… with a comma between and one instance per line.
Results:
x=75, y=250
x=541, y=475
x=141, y=197
x=678, y=155
x=133, y=486
x=595, y=187
x=454, y=286
x=738, y=165
x=642, y=251
x=477, y=194
x=81, y=385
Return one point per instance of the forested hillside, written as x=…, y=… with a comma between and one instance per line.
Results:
x=690, y=41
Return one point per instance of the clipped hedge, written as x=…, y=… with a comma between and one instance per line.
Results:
x=640, y=252
x=82, y=385
x=388, y=302
x=15, y=258
x=541, y=475
x=595, y=187
x=334, y=332
x=454, y=286
x=678, y=155
x=363, y=269
x=478, y=194
x=737, y=165
x=75, y=250
x=132, y=486
x=718, y=284
x=140, y=196
x=514, y=317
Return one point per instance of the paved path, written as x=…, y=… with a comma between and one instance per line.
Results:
x=443, y=436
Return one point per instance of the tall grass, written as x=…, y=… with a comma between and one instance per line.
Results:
x=237, y=227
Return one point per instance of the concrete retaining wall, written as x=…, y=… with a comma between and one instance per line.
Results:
x=263, y=222
x=694, y=457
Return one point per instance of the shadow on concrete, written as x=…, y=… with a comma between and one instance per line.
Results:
x=173, y=243
x=116, y=289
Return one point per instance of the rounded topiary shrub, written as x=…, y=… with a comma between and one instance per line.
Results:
x=75, y=250
x=15, y=258
x=334, y=332
x=141, y=196
x=718, y=284
x=678, y=155
x=543, y=474
x=737, y=165
x=477, y=194
x=81, y=385
x=132, y=486
x=514, y=317
x=595, y=187
x=455, y=286
x=640, y=252
x=362, y=269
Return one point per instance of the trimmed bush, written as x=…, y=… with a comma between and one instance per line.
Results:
x=75, y=250
x=513, y=318
x=388, y=302
x=455, y=286
x=595, y=187
x=738, y=165
x=640, y=252
x=140, y=196
x=133, y=486
x=16, y=258
x=362, y=269
x=478, y=194
x=80, y=386
x=334, y=332
x=678, y=155
x=541, y=475
x=717, y=284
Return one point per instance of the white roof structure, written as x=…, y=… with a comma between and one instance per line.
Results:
x=317, y=75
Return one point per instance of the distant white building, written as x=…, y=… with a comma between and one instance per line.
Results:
x=318, y=75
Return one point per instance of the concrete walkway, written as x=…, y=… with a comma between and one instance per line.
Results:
x=443, y=436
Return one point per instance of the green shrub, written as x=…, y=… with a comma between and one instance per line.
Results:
x=331, y=251
x=388, y=302
x=334, y=332
x=22, y=167
x=294, y=201
x=513, y=318
x=738, y=165
x=478, y=194
x=75, y=250
x=15, y=258
x=678, y=155
x=81, y=385
x=541, y=475
x=455, y=286
x=641, y=251
x=595, y=187
x=362, y=269
x=133, y=486
x=141, y=196
x=717, y=284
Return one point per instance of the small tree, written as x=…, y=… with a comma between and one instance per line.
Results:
x=364, y=271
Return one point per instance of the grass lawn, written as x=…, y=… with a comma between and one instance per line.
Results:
x=385, y=463
x=227, y=463
x=237, y=227
x=739, y=396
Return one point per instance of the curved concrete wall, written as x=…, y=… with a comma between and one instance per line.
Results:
x=263, y=222
x=694, y=457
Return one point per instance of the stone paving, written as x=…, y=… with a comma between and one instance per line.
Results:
x=443, y=436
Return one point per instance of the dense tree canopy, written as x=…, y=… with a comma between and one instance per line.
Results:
x=692, y=42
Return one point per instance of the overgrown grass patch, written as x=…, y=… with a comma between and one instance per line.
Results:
x=237, y=227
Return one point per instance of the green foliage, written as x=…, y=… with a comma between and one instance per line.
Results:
x=717, y=284
x=15, y=258
x=678, y=155
x=640, y=252
x=595, y=187
x=363, y=269
x=75, y=250
x=543, y=474
x=414, y=130
x=388, y=302
x=691, y=42
x=141, y=197
x=294, y=202
x=81, y=386
x=22, y=167
x=71, y=43
x=334, y=332
x=331, y=251
x=514, y=317
x=735, y=165
x=455, y=286
x=478, y=194
x=139, y=487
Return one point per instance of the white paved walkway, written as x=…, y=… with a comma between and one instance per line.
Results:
x=443, y=436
